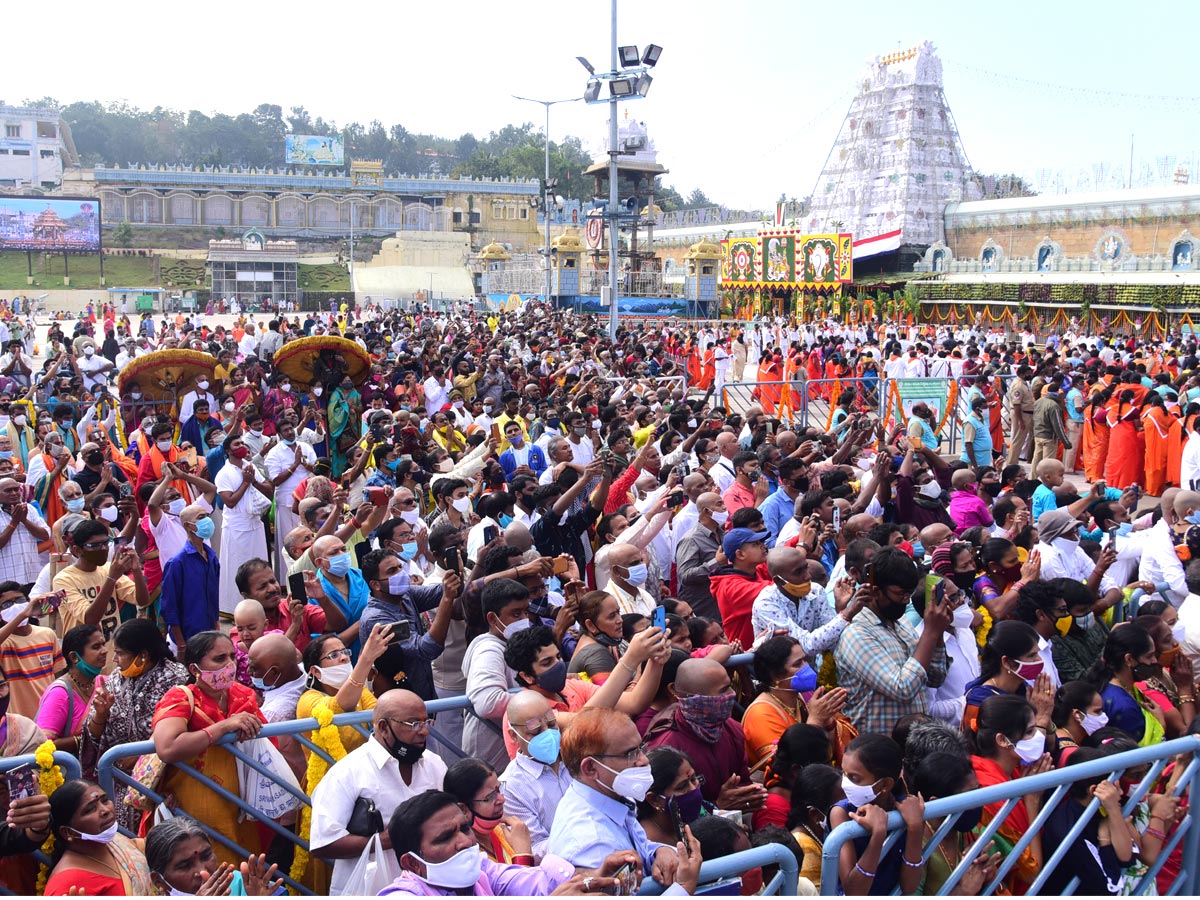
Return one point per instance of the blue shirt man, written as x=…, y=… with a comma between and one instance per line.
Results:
x=191, y=598
x=780, y=506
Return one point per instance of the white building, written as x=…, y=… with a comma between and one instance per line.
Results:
x=35, y=147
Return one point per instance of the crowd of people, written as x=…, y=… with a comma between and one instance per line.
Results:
x=670, y=630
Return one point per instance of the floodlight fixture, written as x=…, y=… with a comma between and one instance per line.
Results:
x=592, y=91
x=622, y=87
x=650, y=57
x=629, y=56
x=587, y=65
x=551, y=184
x=643, y=84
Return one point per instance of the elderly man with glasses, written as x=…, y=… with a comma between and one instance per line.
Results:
x=360, y=792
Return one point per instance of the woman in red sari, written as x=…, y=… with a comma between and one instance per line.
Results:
x=1126, y=451
x=1095, y=436
x=1156, y=426
x=189, y=720
x=994, y=393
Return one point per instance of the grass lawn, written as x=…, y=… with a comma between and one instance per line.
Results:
x=328, y=277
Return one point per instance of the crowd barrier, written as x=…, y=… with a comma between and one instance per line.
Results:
x=70, y=770
x=732, y=866
x=1055, y=784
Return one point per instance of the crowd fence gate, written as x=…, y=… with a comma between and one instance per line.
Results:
x=1055, y=785
x=732, y=866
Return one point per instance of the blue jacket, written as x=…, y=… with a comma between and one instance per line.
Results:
x=537, y=461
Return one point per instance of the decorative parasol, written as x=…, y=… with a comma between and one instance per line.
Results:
x=166, y=374
x=297, y=359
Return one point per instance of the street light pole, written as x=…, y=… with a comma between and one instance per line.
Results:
x=613, y=198
x=351, y=250
x=546, y=197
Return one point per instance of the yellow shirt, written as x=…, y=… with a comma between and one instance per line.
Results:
x=82, y=588
x=222, y=372
x=312, y=699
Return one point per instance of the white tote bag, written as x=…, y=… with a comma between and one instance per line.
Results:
x=267, y=795
x=375, y=870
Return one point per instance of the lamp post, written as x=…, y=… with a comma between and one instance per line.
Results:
x=546, y=187
x=352, y=251
x=628, y=79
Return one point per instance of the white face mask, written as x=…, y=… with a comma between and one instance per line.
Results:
x=163, y=446
x=230, y=406
x=411, y=516
x=931, y=489
x=19, y=421
x=462, y=505
x=1091, y=724
x=317, y=391
x=858, y=794
x=89, y=351
x=963, y=616
x=108, y=514
x=104, y=837
x=335, y=676
x=445, y=465
x=1029, y=750
x=11, y=613
x=720, y=516
x=459, y=872
x=202, y=385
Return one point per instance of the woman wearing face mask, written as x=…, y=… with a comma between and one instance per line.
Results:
x=335, y=684
x=1129, y=656
x=816, y=789
x=65, y=704
x=342, y=417
x=1012, y=664
x=187, y=723
x=800, y=746
x=675, y=788
x=183, y=864
x=871, y=779
x=1010, y=745
x=601, y=641
x=939, y=775
x=124, y=707
x=1172, y=685
x=1003, y=576
x=956, y=562
x=788, y=694
x=504, y=839
x=90, y=857
x=1078, y=714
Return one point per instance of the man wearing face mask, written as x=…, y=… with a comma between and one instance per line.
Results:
x=796, y=606
x=884, y=665
x=21, y=436
x=164, y=505
x=190, y=598
x=199, y=392
x=505, y=607
x=394, y=598
x=162, y=450
x=536, y=779
x=341, y=581
x=388, y=769
x=696, y=555
x=97, y=475
x=603, y=753
x=922, y=504
x=30, y=654
x=628, y=581
x=1058, y=544
x=288, y=463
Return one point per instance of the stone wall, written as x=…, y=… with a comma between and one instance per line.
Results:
x=1144, y=238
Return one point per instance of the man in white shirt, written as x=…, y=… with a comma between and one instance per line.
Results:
x=93, y=366
x=722, y=471
x=1062, y=557
x=1189, y=614
x=1160, y=563
x=249, y=342
x=388, y=769
x=288, y=463
x=1189, y=469
x=437, y=390
x=200, y=392
x=628, y=579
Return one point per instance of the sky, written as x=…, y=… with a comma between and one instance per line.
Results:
x=747, y=98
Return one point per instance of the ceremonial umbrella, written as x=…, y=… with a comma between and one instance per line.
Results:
x=298, y=359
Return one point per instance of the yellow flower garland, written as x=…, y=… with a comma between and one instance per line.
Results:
x=329, y=739
x=50, y=779
x=985, y=627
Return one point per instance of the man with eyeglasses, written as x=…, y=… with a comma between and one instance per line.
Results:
x=388, y=769
x=603, y=752
x=536, y=779
x=398, y=535
x=99, y=592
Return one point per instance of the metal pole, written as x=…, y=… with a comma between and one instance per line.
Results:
x=352, y=251
x=613, y=199
x=546, y=203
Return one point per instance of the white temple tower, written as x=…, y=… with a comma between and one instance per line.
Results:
x=898, y=159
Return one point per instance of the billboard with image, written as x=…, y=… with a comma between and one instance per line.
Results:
x=50, y=224
x=314, y=150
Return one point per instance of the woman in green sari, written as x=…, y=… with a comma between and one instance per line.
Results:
x=343, y=415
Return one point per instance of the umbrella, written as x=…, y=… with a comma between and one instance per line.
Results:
x=296, y=359
x=166, y=374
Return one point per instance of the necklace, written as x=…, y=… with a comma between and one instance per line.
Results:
x=811, y=834
x=84, y=692
x=115, y=870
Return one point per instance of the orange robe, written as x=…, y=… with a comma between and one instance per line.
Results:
x=768, y=394
x=1095, y=443
x=1156, y=425
x=996, y=415
x=1125, y=464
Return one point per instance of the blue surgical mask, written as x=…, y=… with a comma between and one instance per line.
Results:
x=637, y=574
x=805, y=680
x=5, y=454
x=918, y=549
x=399, y=584
x=391, y=466
x=544, y=747
x=75, y=505
x=205, y=528
x=408, y=550
x=505, y=520
x=1125, y=529
x=339, y=565
x=1194, y=518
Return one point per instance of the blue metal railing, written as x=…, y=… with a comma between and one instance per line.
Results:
x=1056, y=785
x=783, y=884
x=109, y=775
x=70, y=771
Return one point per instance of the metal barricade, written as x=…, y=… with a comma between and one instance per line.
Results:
x=1056, y=785
x=109, y=775
x=712, y=870
x=671, y=382
x=70, y=771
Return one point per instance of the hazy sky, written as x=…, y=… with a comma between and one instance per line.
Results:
x=747, y=98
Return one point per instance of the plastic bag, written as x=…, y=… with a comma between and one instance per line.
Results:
x=267, y=795
x=375, y=870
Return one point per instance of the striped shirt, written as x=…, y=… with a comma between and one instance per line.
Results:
x=30, y=662
x=19, y=559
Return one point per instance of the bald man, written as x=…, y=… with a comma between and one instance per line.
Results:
x=627, y=581
x=275, y=672
x=704, y=731
x=722, y=471
x=796, y=606
x=388, y=769
x=696, y=555
x=536, y=779
x=341, y=580
x=191, y=582
x=694, y=485
x=517, y=535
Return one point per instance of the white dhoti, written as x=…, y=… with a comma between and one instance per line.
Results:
x=285, y=521
x=238, y=544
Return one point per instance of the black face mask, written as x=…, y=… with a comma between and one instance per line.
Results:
x=892, y=612
x=604, y=640
x=993, y=488
x=964, y=581
x=404, y=753
x=1142, y=671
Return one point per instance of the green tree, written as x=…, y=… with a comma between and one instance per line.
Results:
x=123, y=235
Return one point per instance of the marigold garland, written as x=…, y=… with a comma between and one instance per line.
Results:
x=985, y=627
x=50, y=779
x=329, y=739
